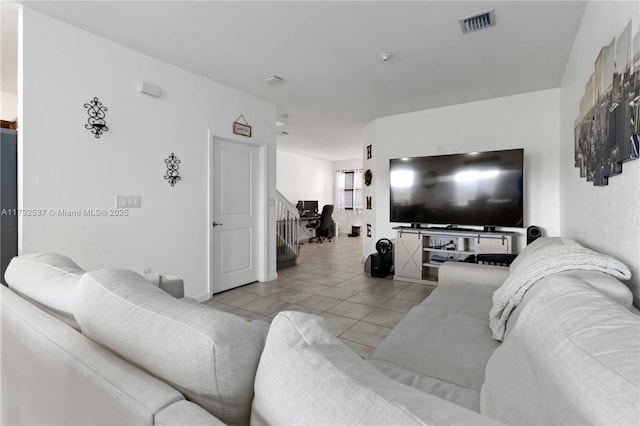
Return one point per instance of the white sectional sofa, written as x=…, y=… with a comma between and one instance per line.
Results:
x=570, y=353
x=142, y=356
x=443, y=345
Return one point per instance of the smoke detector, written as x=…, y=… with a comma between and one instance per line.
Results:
x=478, y=22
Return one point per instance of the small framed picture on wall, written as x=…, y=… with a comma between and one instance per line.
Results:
x=241, y=129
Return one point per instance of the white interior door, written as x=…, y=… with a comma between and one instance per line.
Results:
x=234, y=214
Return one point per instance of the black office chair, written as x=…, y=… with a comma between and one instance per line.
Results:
x=323, y=225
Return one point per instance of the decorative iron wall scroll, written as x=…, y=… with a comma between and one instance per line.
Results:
x=173, y=164
x=608, y=126
x=96, y=122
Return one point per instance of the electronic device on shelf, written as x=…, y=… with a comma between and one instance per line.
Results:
x=476, y=188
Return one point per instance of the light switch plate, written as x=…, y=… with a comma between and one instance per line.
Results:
x=128, y=201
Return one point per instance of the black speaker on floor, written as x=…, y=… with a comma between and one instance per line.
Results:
x=533, y=233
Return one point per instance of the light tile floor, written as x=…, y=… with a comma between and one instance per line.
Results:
x=329, y=281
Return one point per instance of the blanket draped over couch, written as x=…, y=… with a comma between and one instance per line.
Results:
x=567, y=256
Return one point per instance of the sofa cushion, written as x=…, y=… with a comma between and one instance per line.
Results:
x=47, y=279
x=307, y=376
x=185, y=413
x=209, y=355
x=538, y=245
x=465, y=397
x=472, y=273
x=446, y=337
x=571, y=357
x=53, y=375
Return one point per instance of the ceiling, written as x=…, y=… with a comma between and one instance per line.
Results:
x=328, y=54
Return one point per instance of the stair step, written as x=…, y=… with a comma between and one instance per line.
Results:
x=286, y=263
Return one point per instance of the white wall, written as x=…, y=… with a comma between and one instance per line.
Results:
x=8, y=106
x=528, y=121
x=65, y=167
x=604, y=218
x=305, y=178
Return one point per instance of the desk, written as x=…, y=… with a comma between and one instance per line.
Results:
x=305, y=221
x=309, y=218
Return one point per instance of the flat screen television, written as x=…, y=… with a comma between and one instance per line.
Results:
x=310, y=207
x=476, y=188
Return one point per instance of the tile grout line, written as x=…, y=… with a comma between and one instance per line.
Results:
x=362, y=344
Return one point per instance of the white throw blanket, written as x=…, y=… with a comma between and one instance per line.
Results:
x=541, y=264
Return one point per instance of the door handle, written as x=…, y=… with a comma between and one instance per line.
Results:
x=216, y=224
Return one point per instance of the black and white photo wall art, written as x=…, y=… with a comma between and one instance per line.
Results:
x=607, y=130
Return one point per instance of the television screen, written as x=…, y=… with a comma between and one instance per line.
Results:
x=476, y=188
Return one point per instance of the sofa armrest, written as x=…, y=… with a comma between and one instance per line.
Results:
x=52, y=374
x=472, y=273
x=185, y=413
x=172, y=285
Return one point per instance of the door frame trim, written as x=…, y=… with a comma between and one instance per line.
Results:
x=262, y=210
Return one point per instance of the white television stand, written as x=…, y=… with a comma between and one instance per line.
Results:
x=419, y=252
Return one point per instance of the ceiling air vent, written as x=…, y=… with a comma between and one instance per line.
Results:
x=478, y=22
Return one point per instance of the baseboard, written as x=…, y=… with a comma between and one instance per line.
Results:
x=202, y=298
x=271, y=277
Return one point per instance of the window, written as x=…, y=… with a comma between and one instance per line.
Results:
x=349, y=190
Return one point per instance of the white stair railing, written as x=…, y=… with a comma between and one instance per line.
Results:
x=284, y=208
x=288, y=221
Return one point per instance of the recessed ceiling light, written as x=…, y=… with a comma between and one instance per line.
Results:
x=278, y=124
x=273, y=79
x=385, y=56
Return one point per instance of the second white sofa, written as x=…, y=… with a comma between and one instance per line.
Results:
x=571, y=353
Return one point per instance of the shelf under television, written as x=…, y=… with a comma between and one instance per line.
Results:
x=439, y=264
x=431, y=249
